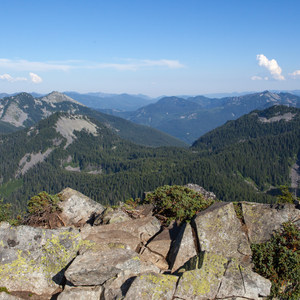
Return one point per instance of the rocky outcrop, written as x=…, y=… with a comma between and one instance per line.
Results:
x=33, y=259
x=220, y=231
x=263, y=219
x=77, y=208
x=129, y=255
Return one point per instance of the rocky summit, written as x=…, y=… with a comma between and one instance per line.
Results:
x=126, y=253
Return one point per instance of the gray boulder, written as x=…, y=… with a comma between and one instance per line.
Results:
x=77, y=208
x=81, y=293
x=183, y=248
x=95, y=268
x=263, y=219
x=33, y=259
x=219, y=277
x=152, y=286
x=220, y=231
x=134, y=231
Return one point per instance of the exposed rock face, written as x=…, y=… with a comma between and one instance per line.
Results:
x=183, y=248
x=142, y=229
x=95, y=268
x=126, y=258
x=31, y=259
x=219, y=277
x=199, y=189
x=77, y=208
x=81, y=293
x=152, y=286
x=220, y=231
x=263, y=219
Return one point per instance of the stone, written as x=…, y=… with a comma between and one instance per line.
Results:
x=95, y=268
x=199, y=189
x=111, y=216
x=155, y=258
x=152, y=286
x=243, y=282
x=81, y=293
x=5, y=296
x=263, y=219
x=202, y=283
x=220, y=231
x=183, y=248
x=214, y=276
x=77, y=208
x=143, y=229
x=33, y=259
x=161, y=243
x=117, y=287
x=106, y=239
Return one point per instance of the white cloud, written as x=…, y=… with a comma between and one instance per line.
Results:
x=12, y=79
x=271, y=65
x=35, y=78
x=25, y=65
x=295, y=74
x=256, y=78
x=134, y=65
x=128, y=65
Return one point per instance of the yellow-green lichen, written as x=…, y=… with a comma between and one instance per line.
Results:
x=158, y=285
x=202, y=281
x=53, y=257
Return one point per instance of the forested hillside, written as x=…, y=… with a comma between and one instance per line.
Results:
x=238, y=161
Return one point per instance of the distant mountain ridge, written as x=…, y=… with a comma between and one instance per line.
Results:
x=24, y=110
x=188, y=119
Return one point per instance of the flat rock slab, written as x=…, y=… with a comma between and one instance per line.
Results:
x=106, y=239
x=220, y=231
x=143, y=229
x=95, y=268
x=161, y=243
x=77, y=208
x=151, y=286
x=263, y=219
x=81, y=293
x=183, y=248
x=33, y=259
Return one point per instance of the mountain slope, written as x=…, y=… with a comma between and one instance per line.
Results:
x=23, y=110
x=262, y=146
x=187, y=119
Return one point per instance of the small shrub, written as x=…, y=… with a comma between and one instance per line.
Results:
x=4, y=289
x=279, y=260
x=43, y=202
x=177, y=203
x=286, y=196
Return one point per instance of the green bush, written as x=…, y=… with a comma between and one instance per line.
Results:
x=177, y=202
x=286, y=196
x=43, y=202
x=279, y=260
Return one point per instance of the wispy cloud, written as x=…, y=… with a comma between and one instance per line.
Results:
x=295, y=74
x=35, y=78
x=12, y=79
x=32, y=77
x=127, y=65
x=259, y=78
x=271, y=65
x=25, y=65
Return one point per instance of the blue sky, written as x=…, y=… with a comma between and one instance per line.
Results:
x=158, y=47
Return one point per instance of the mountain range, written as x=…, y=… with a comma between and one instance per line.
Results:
x=190, y=118
x=24, y=110
x=245, y=159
